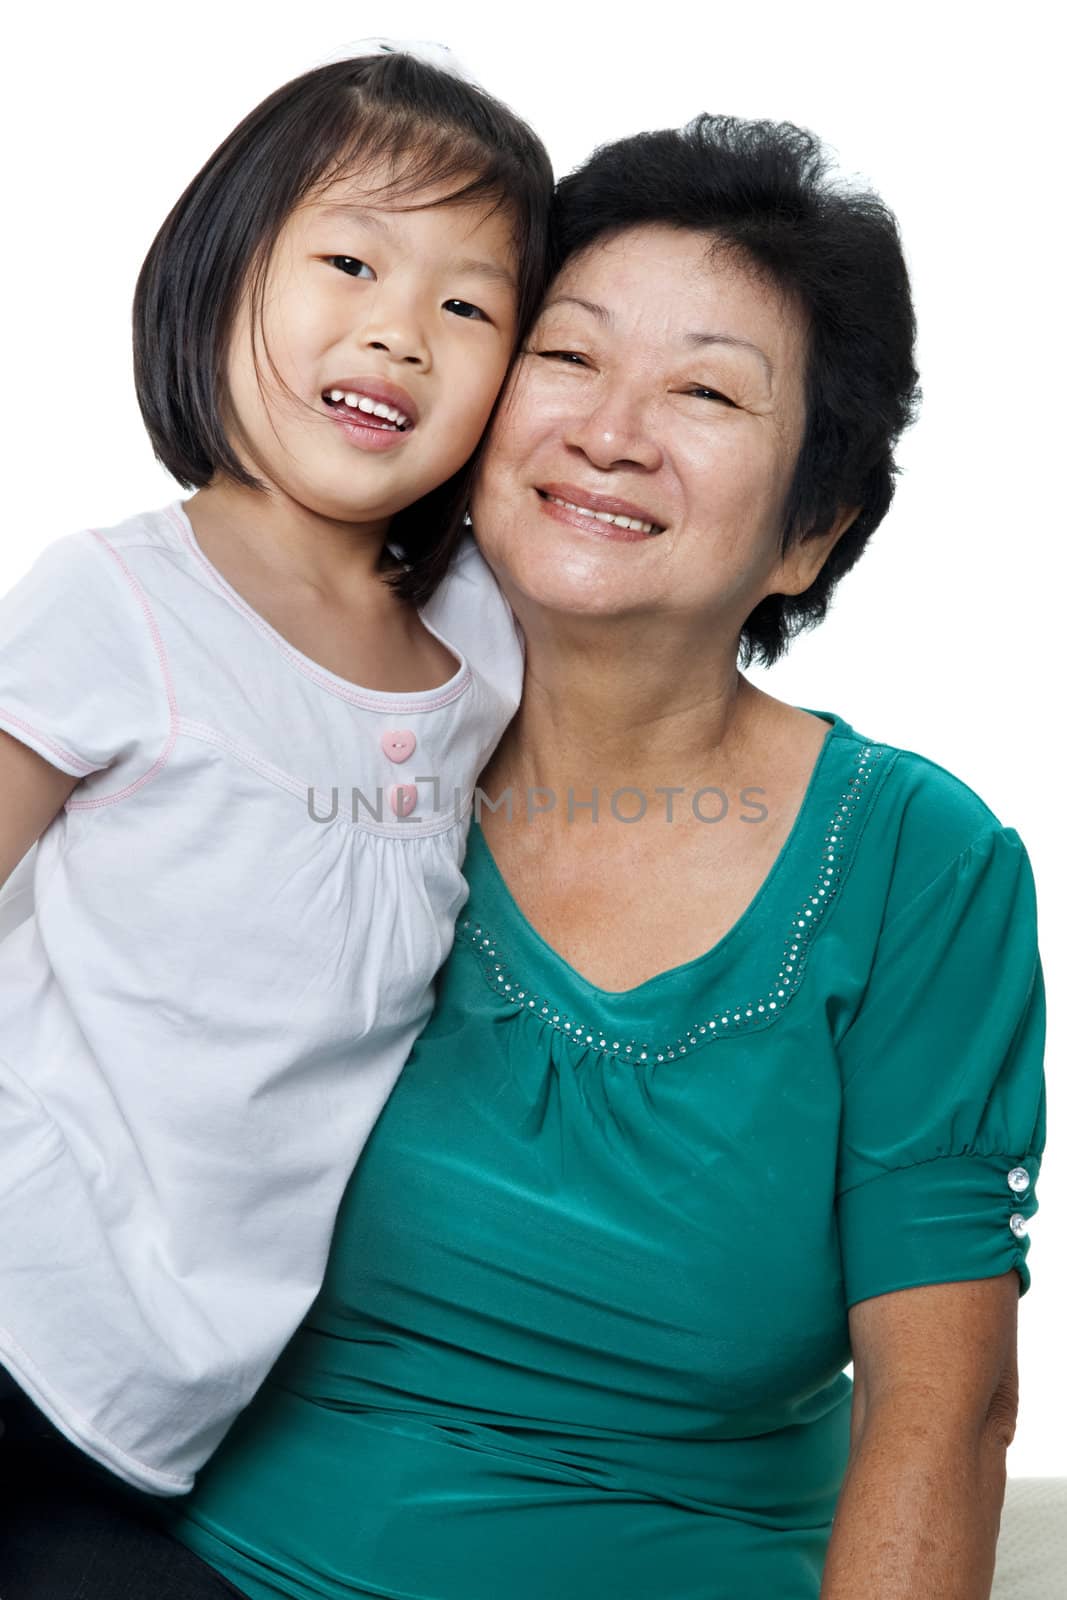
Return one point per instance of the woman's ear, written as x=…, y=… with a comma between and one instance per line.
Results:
x=802, y=562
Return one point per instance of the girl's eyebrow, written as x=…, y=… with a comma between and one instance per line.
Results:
x=348, y=211
x=486, y=269
x=492, y=270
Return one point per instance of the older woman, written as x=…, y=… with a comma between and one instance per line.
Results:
x=736, y=1069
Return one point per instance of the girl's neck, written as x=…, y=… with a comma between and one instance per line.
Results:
x=336, y=560
x=321, y=586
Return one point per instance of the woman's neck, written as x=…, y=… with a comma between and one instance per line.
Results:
x=608, y=708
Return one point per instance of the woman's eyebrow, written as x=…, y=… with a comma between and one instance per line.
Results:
x=604, y=316
x=601, y=313
x=697, y=339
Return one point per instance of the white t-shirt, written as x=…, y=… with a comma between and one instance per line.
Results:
x=204, y=1012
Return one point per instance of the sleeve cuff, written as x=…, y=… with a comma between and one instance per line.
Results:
x=946, y=1220
x=55, y=754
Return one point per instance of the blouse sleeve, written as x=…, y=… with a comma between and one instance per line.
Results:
x=943, y=1120
x=80, y=679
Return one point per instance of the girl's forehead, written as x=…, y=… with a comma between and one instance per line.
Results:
x=397, y=183
x=397, y=208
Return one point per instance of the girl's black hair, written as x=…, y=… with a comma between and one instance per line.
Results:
x=429, y=128
x=760, y=189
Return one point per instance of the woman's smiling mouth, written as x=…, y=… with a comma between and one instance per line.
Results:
x=600, y=514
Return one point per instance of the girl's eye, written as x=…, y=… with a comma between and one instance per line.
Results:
x=463, y=308
x=702, y=392
x=350, y=264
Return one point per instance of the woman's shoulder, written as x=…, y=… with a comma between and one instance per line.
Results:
x=925, y=817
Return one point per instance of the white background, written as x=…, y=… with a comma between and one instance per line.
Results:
x=945, y=639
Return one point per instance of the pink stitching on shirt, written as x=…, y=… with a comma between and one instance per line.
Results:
x=172, y=703
x=360, y=697
x=65, y=755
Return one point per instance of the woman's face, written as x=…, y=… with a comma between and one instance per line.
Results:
x=664, y=382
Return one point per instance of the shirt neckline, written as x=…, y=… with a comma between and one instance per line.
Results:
x=344, y=688
x=503, y=911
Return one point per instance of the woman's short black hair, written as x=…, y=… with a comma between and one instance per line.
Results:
x=762, y=190
x=428, y=127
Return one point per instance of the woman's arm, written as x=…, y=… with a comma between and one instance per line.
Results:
x=934, y=1410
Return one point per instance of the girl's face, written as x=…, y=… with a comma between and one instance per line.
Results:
x=664, y=385
x=411, y=313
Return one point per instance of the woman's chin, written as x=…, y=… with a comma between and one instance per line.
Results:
x=576, y=581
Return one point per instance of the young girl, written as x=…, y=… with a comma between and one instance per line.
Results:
x=245, y=734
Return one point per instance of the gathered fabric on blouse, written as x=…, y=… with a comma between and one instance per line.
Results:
x=585, y=1319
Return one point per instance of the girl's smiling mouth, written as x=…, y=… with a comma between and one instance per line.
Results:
x=373, y=414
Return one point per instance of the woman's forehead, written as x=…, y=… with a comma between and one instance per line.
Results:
x=677, y=284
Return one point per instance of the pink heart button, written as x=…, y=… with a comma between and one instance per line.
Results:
x=398, y=743
x=403, y=797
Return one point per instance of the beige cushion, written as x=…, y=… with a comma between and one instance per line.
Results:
x=1032, y=1548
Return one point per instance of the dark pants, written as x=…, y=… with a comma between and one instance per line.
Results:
x=71, y=1530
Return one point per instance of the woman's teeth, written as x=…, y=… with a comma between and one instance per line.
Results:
x=372, y=408
x=604, y=516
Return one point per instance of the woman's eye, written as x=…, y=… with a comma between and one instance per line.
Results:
x=463, y=308
x=350, y=264
x=704, y=393
x=561, y=355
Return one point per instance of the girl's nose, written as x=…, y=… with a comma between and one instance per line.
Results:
x=397, y=331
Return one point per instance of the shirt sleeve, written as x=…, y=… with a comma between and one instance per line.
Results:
x=80, y=674
x=943, y=1119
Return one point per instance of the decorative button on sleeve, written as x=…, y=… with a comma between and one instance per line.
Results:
x=1017, y=1224
x=398, y=743
x=1018, y=1180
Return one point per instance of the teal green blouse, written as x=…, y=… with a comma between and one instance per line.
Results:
x=585, y=1317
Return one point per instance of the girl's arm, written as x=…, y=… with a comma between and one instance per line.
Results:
x=32, y=792
x=933, y=1415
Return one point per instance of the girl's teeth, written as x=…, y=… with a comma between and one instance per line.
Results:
x=372, y=408
x=604, y=516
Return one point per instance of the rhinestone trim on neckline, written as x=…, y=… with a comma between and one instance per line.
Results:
x=726, y=1020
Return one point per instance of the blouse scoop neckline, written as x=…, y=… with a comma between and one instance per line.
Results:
x=503, y=908
x=374, y=699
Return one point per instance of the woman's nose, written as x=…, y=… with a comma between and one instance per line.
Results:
x=616, y=433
